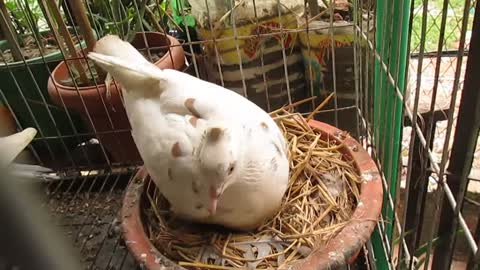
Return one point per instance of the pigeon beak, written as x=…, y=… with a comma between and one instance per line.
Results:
x=212, y=209
x=214, y=194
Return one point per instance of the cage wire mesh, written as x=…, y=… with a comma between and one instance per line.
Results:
x=397, y=71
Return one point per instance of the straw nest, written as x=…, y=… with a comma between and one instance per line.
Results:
x=319, y=202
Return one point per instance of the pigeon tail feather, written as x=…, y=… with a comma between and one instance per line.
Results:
x=125, y=63
x=112, y=45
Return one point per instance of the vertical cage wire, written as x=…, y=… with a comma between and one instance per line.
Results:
x=418, y=131
x=414, y=145
x=26, y=102
x=458, y=172
x=390, y=202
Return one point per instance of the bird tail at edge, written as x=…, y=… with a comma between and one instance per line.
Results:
x=125, y=63
x=131, y=75
x=14, y=144
x=112, y=45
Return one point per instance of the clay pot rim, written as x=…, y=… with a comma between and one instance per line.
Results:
x=173, y=43
x=343, y=249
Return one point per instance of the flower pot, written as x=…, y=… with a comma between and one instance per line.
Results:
x=336, y=254
x=108, y=119
x=24, y=89
x=318, y=60
x=262, y=60
x=7, y=123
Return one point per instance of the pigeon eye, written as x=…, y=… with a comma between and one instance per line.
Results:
x=231, y=168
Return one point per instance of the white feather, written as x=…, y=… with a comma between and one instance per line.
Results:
x=14, y=144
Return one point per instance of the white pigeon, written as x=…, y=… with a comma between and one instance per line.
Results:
x=215, y=156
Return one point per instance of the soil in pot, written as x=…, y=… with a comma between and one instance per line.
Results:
x=25, y=92
x=319, y=211
x=30, y=48
x=154, y=56
x=107, y=116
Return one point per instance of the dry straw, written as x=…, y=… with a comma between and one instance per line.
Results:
x=319, y=202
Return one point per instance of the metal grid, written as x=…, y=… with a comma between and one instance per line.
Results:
x=442, y=80
x=86, y=201
x=86, y=209
x=436, y=98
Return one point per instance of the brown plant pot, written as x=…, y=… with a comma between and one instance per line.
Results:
x=339, y=252
x=108, y=117
x=7, y=123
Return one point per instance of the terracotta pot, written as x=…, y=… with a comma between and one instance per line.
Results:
x=339, y=252
x=108, y=117
x=7, y=123
x=8, y=127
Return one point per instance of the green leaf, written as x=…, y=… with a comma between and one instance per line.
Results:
x=102, y=19
x=11, y=6
x=191, y=21
x=137, y=20
x=163, y=5
x=182, y=17
x=147, y=25
x=396, y=241
x=120, y=17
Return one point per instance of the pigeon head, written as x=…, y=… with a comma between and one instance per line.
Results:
x=219, y=161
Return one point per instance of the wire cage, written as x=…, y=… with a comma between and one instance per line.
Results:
x=399, y=77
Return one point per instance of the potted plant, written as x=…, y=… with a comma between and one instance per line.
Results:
x=317, y=55
x=253, y=63
x=85, y=92
x=28, y=55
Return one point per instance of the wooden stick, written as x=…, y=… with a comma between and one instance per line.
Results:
x=35, y=30
x=53, y=26
x=208, y=266
x=294, y=104
x=80, y=13
x=153, y=20
x=68, y=40
x=319, y=107
x=8, y=30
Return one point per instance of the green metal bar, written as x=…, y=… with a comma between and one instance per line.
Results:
x=392, y=46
